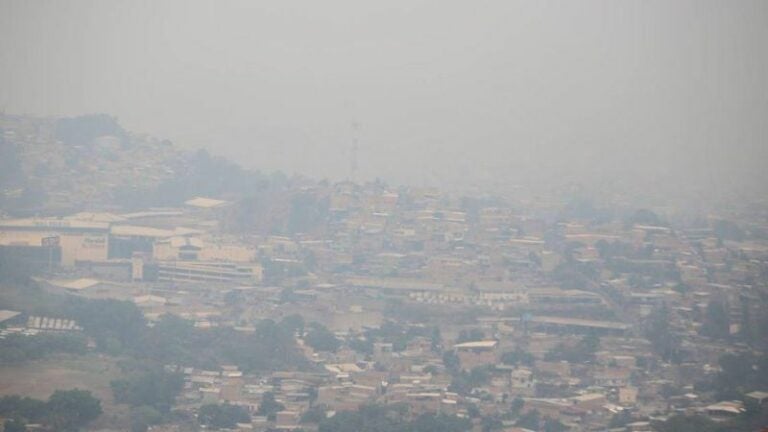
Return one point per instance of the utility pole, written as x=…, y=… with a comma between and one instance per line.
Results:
x=353, y=153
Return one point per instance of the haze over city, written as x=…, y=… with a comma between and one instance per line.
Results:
x=393, y=216
x=434, y=92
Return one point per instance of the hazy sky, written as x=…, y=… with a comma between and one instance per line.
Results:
x=443, y=91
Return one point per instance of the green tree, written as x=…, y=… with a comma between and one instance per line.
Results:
x=17, y=348
x=517, y=405
x=620, y=419
x=530, y=420
x=583, y=351
x=471, y=335
x=451, y=361
x=15, y=406
x=143, y=417
x=269, y=407
x=315, y=414
x=516, y=357
x=439, y=423
x=436, y=340
x=361, y=345
x=377, y=418
x=15, y=425
x=223, y=416
x=716, y=321
x=490, y=424
x=68, y=410
x=554, y=425
x=155, y=388
x=663, y=342
x=293, y=323
x=684, y=423
x=321, y=339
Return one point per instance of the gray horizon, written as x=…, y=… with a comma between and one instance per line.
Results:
x=434, y=92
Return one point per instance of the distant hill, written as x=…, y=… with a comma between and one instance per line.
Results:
x=52, y=166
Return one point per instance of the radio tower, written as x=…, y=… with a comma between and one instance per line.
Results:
x=353, y=153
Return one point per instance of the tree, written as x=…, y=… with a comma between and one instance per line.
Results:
x=439, y=423
x=554, y=425
x=321, y=339
x=155, y=388
x=727, y=230
x=463, y=382
x=68, y=410
x=517, y=405
x=223, y=416
x=746, y=330
x=15, y=425
x=620, y=419
x=108, y=318
x=716, y=322
x=315, y=414
x=529, y=420
x=490, y=424
x=451, y=361
x=471, y=335
x=684, y=423
x=17, y=348
x=269, y=407
x=663, y=341
x=143, y=417
x=293, y=323
x=644, y=217
x=361, y=345
x=516, y=357
x=740, y=374
x=377, y=418
x=307, y=213
x=84, y=129
x=26, y=408
x=583, y=351
x=436, y=340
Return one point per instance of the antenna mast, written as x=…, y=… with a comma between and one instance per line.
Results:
x=353, y=153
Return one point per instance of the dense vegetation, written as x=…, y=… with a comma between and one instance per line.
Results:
x=65, y=410
x=398, y=335
x=753, y=420
x=175, y=340
x=518, y=357
x=269, y=406
x=155, y=388
x=321, y=339
x=376, y=418
x=119, y=327
x=16, y=349
x=82, y=130
x=534, y=421
x=739, y=374
x=581, y=352
x=463, y=382
x=224, y=416
x=17, y=192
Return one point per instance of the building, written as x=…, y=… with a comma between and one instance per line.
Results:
x=76, y=240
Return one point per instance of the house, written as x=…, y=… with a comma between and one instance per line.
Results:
x=760, y=397
x=589, y=401
x=477, y=353
x=8, y=316
x=725, y=409
x=627, y=395
x=613, y=377
x=287, y=420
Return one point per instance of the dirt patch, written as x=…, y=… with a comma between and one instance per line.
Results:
x=93, y=372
